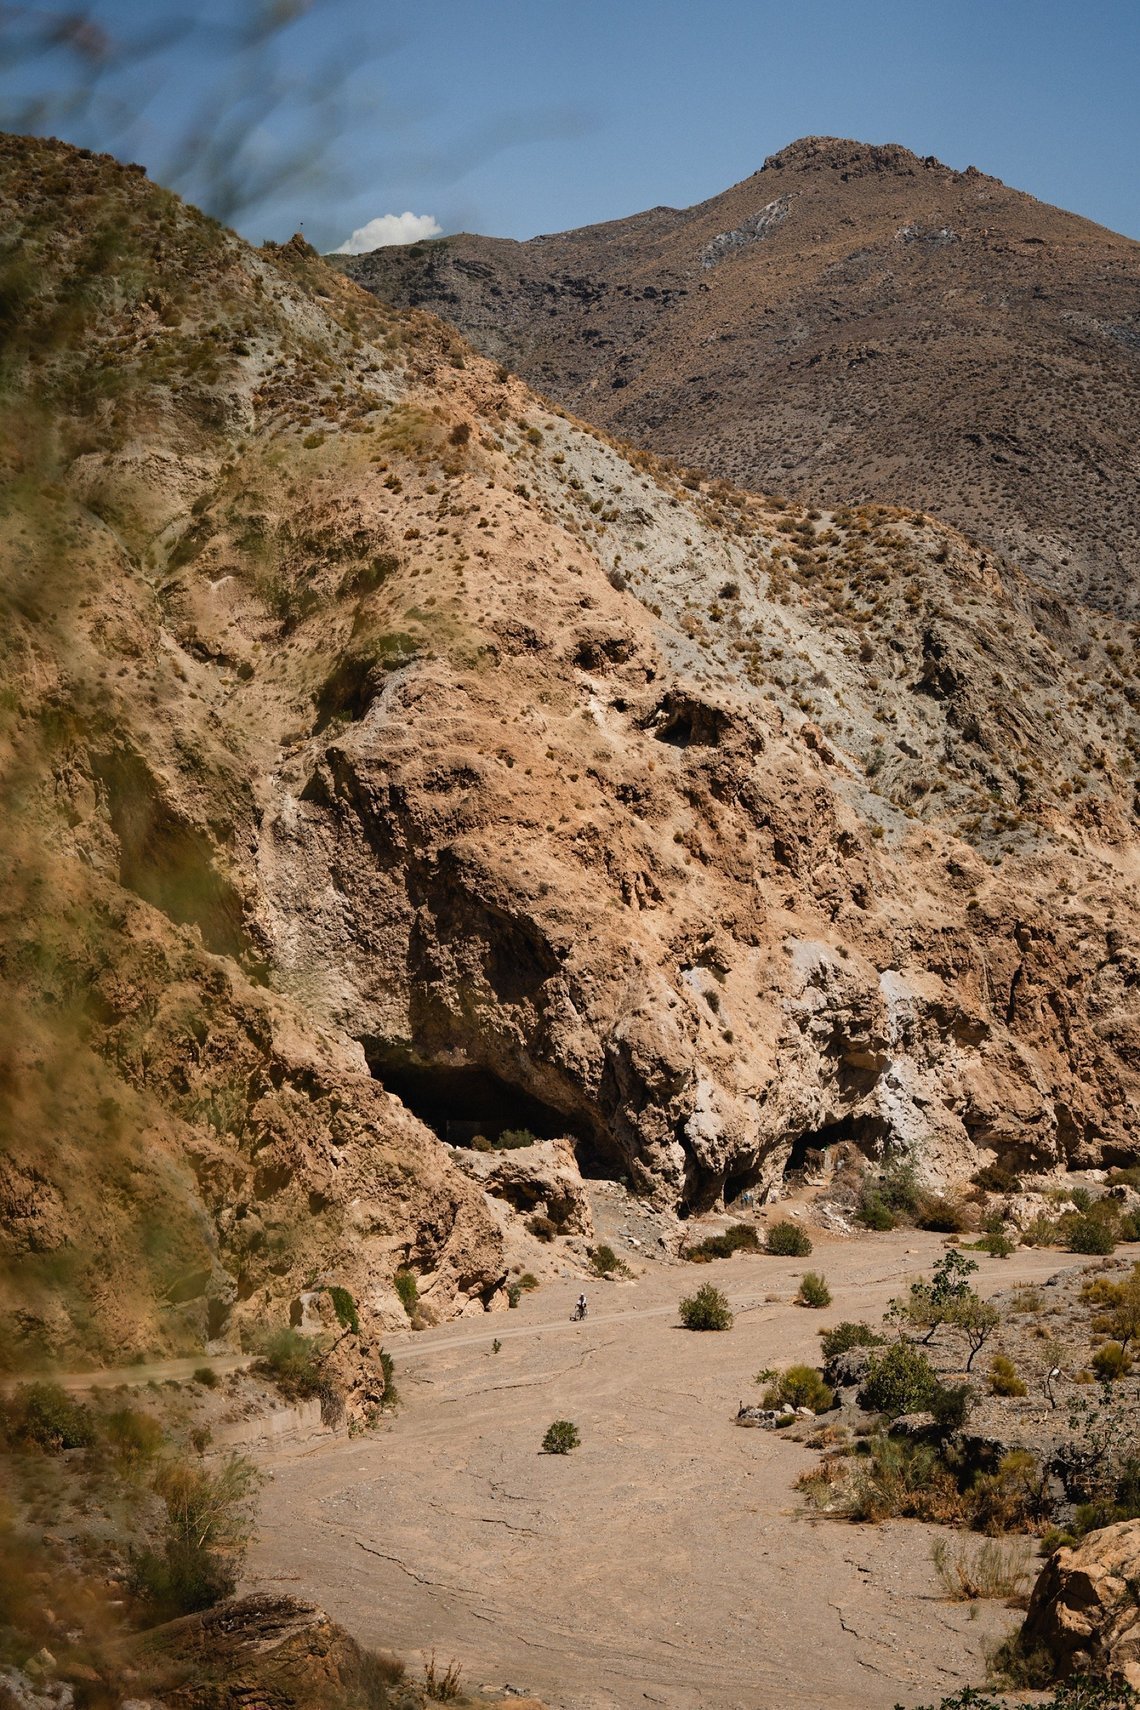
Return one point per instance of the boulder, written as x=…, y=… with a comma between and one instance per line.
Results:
x=266, y=1650
x=848, y=1369
x=765, y=1418
x=542, y=1178
x=915, y=1426
x=1084, y=1610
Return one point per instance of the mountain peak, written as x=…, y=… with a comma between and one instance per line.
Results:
x=856, y=159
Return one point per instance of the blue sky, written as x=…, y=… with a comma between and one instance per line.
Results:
x=521, y=116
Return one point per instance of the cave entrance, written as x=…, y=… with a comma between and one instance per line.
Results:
x=461, y=1100
x=741, y=1183
x=815, y=1151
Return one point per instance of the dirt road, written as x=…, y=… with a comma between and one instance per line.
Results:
x=667, y=1561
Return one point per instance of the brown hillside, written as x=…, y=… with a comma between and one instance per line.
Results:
x=849, y=323
x=383, y=748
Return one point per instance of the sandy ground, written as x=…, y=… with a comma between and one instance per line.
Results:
x=668, y=1560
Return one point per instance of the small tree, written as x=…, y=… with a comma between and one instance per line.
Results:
x=930, y=1305
x=708, y=1309
x=561, y=1437
x=977, y=1320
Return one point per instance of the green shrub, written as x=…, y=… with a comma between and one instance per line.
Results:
x=514, y=1294
x=995, y=1243
x=813, y=1290
x=895, y=1191
x=528, y=1281
x=290, y=1358
x=133, y=1436
x=292, y=1361
x=1014, y=1498
x=788, y=1241
x=345, y=1308
x=391, y=1393
x=511, y=1139
x=207, y=1377
x=408, y=1289
x=950, y=1405
x=848, y=1335
x=899, y=1380
x=874, y=1213
x=942, y=1215
x=995, y=1178
x=1036, y=1669
x=737, y=1238
x=1125, y=1177
x=44, y=1416
x=1111, y=1362
x=561, y=1437
x=1042, y=1232
x=708, y=1309
x=1003, y=1378
x=901, y=1479
x=605, y=1263
x=1090, y=1235
x=799, y=1386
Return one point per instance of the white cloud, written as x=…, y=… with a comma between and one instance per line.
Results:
x=390, y=228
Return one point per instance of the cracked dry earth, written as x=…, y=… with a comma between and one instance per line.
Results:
x=667, y=1561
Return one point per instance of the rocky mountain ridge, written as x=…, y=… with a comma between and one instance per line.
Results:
x=850, y=323
x=390, y=757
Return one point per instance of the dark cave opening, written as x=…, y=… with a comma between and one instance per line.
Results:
x=742, y=1181
x=809, y=1149
x=460, y=1100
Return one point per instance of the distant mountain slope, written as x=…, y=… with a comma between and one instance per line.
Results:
x=850, y=322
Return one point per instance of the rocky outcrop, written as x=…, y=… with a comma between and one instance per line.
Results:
x=1084, y=1612
x=542, y=1180
x=275, y=1650
x=278, y=1653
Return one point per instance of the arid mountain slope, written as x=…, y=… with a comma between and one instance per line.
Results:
x=363, y=713
x=849, y=323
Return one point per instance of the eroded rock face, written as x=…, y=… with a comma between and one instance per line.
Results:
x=1084, y=1610
x=405, y=754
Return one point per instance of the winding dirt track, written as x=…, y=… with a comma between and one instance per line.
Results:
x=667, y=1561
